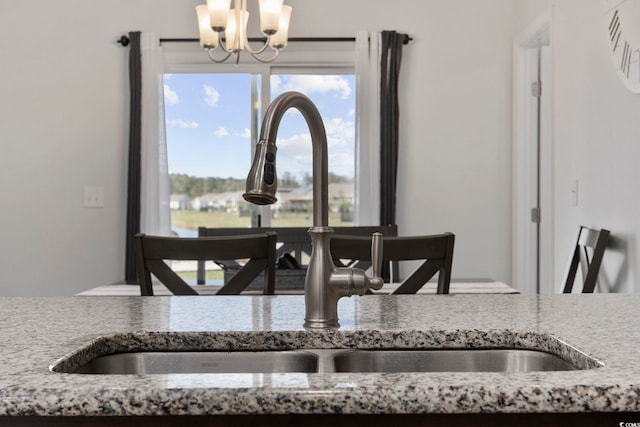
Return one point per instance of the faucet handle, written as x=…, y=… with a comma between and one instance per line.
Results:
x=376, y=261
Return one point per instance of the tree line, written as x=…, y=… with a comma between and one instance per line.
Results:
x=194, y=186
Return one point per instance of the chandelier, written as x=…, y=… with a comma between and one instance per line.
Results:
x=217, y=17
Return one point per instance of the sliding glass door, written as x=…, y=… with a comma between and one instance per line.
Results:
x=212, y=125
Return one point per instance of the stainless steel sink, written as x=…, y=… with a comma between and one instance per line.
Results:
x=464, y=360
x=326, y=361
x=202, y=362
x=204, y=352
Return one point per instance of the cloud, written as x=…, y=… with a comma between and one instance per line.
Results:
x=211, y=96
x=339, y=131
x=313, y=84
x=276, y=83
x=246, y=133
x=297, y=147
x=221, y=131
x=342, y=163
x=183, y=124
x=170, y=96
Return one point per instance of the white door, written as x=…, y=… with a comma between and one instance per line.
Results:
x=545, y=180
x=533, y=161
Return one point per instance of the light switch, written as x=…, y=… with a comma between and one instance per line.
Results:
x=93, y=197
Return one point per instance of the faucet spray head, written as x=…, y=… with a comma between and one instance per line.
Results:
x=262, y=181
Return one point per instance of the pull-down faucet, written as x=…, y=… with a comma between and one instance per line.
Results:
x=325, y=283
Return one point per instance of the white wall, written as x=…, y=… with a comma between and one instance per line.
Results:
x=63, y=124
x=528, y=10
x=455, y=170
x=596, y=138
x=64, y=106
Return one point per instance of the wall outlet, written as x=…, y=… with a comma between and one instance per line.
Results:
x=93, y=197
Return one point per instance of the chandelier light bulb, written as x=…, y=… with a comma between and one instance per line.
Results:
x=270, y=15
x=279, y=39
x=208, y=37
x=217, y=16
x=218, y=13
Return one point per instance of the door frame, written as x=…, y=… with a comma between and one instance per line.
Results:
x=526, y=59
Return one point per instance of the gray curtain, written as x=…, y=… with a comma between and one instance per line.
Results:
x=134, y=169
x=391, y=57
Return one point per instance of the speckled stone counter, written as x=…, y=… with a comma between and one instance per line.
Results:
x=38, y=332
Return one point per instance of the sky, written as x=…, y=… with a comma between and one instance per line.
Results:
x=208, y=123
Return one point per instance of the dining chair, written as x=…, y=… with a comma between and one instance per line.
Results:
x=297, y=242
x=589, y=240
x=152, y=252
x=436, y=251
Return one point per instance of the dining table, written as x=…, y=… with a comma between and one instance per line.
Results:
x=463, y=286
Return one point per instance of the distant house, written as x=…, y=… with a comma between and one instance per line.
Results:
x=179, y=202
x=341, y=192
x=226, y=202
x=301, y=199
x=341, y=199
x=297, y=200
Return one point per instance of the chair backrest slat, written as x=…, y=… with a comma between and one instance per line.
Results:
x=243, y=277
x=436, y=251
x=153, y=251
x=413, y=283
x=596, y=240
x=229, y=247
x=169, y=278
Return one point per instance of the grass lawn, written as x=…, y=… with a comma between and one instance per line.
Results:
x=193, y=219
x=191, y=276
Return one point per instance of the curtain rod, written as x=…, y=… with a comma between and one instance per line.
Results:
x=124, y=40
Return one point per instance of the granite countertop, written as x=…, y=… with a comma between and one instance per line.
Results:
x=38, y=332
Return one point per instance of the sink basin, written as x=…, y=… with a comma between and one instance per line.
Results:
x=202, y=362
x=464, y=360
x=198, y=352
x=326, y=361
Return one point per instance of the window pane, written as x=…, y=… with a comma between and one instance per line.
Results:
x=334, y=96
x=208, y=126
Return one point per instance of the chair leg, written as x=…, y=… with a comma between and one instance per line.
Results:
x=144, y=277
x=571, y=274
x=596, y=261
